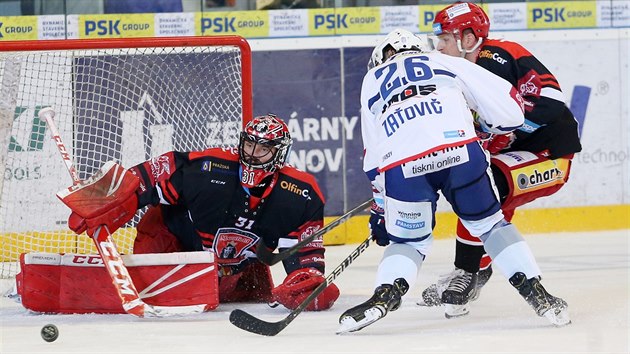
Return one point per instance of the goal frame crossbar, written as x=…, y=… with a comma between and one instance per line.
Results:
x=150, y=42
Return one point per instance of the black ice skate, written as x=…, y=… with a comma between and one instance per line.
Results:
x=432, y=295
x=386, y=298
x=553, y=308
x=460, y=290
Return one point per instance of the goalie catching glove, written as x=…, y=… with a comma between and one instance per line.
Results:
x=108, y=198
x=298, y=285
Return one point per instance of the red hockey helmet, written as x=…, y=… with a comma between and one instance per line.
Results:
x=460, y=16
x=263, y=148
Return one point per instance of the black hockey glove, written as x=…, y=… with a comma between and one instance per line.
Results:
x=377, y=225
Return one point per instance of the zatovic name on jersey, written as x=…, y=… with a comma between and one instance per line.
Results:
x=394, y=120
x=404, y=116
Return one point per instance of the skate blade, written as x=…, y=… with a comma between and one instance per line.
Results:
x=558, y=317
x=348, y=324
x=455, y=311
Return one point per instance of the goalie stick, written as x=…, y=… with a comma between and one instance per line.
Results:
x=131, y=302
x=266, y=256
x=247, y=322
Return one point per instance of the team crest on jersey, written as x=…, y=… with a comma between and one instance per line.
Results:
x=231, y=243
x=530, y=87
x=160, y=165
x=312, y=228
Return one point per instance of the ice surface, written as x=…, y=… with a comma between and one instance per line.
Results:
x=589, y=270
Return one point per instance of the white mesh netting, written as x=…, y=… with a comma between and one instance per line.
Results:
x=124, y=104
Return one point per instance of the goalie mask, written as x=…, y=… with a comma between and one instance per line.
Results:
x=398, y=40
x=263, y=148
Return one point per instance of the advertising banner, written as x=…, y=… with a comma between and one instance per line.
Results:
x=249, y=24
x=288, y=23
x=51, y=27
x=315, y=22
x=36, y=172
x=595, y=88
x=149, y=105
x=174, y=24
x=116, y=26
x=405, y=17
x=16, y=28
x=308, y=95
x=561, y=14
x=509, y=16
x=613, y=13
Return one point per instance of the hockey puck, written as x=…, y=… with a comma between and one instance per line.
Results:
x=50, y=333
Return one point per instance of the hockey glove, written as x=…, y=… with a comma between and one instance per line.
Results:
x=298, y=285
x=107, y=198
x=377, y=225
x=499, y=142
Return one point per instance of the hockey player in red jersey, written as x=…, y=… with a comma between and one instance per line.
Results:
x=226, y=201
x=532, y=162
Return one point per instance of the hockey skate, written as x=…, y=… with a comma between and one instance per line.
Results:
x=553, y=308
x=386, y=298
x=461, y=289
x=432, y=295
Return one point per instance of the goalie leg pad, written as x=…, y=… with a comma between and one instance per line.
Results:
x=79, y=283
x=153, y=236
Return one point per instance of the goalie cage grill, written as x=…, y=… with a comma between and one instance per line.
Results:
x=121, y=99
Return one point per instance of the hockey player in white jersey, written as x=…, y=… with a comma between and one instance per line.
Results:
x=419, y=137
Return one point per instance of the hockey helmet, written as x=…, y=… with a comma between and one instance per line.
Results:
x=399, y=40
x=263, y=148
x=460, y=16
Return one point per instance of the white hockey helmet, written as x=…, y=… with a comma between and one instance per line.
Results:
x=399, y=40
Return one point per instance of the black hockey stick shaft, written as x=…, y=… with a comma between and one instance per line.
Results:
x=266, y=256
x=247, y=322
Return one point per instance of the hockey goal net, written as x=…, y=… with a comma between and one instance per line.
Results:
x=119, y=99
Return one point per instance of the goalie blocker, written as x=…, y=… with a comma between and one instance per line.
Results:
x=79, y=283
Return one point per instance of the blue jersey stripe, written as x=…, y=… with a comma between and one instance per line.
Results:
x=443, y=72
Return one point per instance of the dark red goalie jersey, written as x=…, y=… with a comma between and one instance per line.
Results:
x=550, y=127
x=204, y=204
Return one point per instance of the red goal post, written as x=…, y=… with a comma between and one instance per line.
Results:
x=115, y=99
